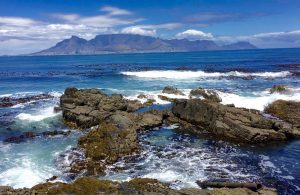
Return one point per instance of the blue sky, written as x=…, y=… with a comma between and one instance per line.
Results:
x=31, y=25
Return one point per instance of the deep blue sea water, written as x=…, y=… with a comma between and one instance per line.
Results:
x=240, y=77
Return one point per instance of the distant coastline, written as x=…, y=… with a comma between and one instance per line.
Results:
x=129, y=43
x=142, y=52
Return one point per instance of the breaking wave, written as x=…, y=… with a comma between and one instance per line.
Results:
x=41, y=115
x=174, y=74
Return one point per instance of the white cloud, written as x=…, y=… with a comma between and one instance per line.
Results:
x=139, y=31
x=17, y=33
x=114, y=11
x=16, y=21
x=66, y=17
x=149, y=29
x=169, y=26
x=194, y=35
x=107, y=20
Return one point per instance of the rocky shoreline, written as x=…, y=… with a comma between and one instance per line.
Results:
x=111, y=124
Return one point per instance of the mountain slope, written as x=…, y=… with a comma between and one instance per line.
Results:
x=128, y=43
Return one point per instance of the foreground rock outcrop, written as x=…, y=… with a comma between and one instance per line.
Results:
x=285, y=110
x=238, y=124
x=115, y=126
x=138, y=186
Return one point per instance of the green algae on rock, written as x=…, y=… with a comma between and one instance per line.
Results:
x=279, y=89
x=285, y=110
x=137, y=186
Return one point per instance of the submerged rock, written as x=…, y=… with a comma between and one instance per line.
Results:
x=279, y=89
x=31, y=135
x=285, y=110
x=172, y=90
x=12, y=101
x=206, y=94
x=142, y=96
x=231, y=123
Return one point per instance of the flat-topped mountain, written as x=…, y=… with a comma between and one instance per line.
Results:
x=129, y=43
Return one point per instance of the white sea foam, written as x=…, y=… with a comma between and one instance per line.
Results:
x=6, y=95
x=181, y=162
x=39, y=116
x=24, y=174
x=256, y=102
x=56, y=94
x=155, y=96
x=174, y=74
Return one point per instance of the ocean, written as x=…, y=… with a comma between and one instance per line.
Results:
x=242, y=77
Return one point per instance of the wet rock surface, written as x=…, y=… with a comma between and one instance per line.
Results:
x=279, y=89
x=138, y=186
x=285, y=110
x=31, y=135
x=205, y=94
x=172, y=90
x=231, y=123
x=12, y=101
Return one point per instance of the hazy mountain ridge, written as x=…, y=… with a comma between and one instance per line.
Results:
x=128, y=43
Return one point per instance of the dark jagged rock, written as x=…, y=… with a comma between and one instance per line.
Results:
x=206, y=94
x=165, y=98
x=21, y=138
x=208, y=184
x=172, y=90
x=231, y=123
x=51, y=178
x=285, y=110
x=12, y=101
x=279, y=89
x=142, y=96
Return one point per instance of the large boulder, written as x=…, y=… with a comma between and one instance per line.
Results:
x=205, y=94
x=231, y=123
x=172, y=90
x=285, y=110
x=85, y=108
x=107, y=143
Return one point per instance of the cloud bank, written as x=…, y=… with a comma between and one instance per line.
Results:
x=20, y=35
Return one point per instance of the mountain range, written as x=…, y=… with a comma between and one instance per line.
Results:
x=129, y=43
